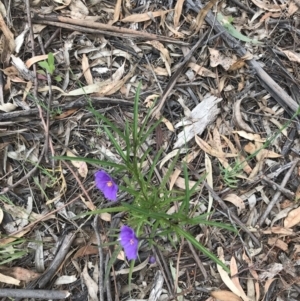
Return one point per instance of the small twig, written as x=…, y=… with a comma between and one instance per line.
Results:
x=47, y=44
x=100, y=252
x=99, y=28
x=177, y=265
x=289, y=194
x=55, y=264
x=197, y=259
x=33, y=293
x=277, y=194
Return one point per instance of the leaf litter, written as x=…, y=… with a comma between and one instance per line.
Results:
x=229, y=126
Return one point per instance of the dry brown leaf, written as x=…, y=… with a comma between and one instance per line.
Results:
x=293, y=218
x=8, y=107
x=80, y=165
x=180, y=183
x=267, y=286
x=5, y=241
x=8, y=35
x=237, y=201
x=145, y=16
x=202, y=14
x=274, y=241
x=292, y=8
x=78, y=9
x=65, y=4
x=226, y=279
x=90, y=284
x=36, y=59
x=65, y=114
x=86, y=250
x=202, y=71
x=86, y=70
x=250, y=148
x=208, y=149
x=225, y=296
x=217, y=58
x=249, y=136
x=117, y=12
x=164, y=53
x=279, y=230
x=177, y=12
x=240, y=63
x=19, y=273
x=209, y=179
x=292, y=56
x=238, y=119
x=9, y=280
x=270, y=7
x=234, y=274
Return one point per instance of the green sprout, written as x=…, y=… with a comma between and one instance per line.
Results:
x=49, y=66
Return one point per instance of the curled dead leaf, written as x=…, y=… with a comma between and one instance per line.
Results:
x=225, y=296
x=237, y=116
x=293, y=218
x=145, y=16
x=81, y=166
x=237, y=201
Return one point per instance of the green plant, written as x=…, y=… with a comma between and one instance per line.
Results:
x=151, y=199
x=49, y=66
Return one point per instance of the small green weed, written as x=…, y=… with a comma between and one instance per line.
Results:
x=49, y=66
x=150, y=201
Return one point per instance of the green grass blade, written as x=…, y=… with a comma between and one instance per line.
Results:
x=136, y=115
x=111, y=262
x=200, y=247
x=93, y=162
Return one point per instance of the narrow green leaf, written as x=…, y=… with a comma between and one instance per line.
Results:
x=96, y=162
x=115, y=143
x=111, y=262
x=136, y=115
x=200, y=247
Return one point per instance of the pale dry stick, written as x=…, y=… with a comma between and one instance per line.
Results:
x=233, y=216
x=33, y=293
x=289, y=194
x=197, y=259
x=177, y=265
x=100, y=252
x=109, y=29
x=277, y=194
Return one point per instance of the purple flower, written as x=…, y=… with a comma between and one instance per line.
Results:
x=129, y=242
x=152, y=259
x=106, y=184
